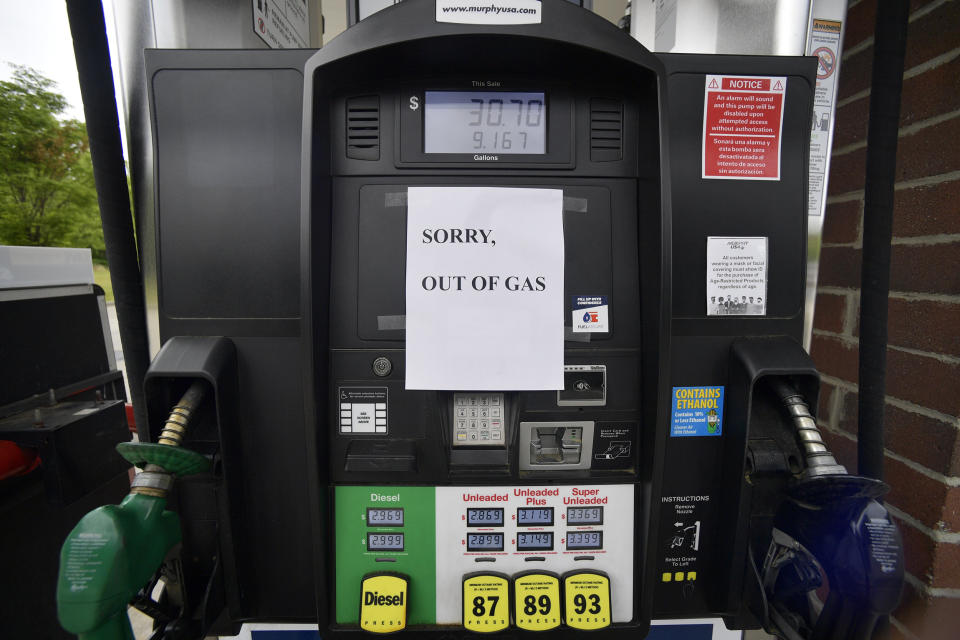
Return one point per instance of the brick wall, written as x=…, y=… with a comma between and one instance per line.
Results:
x=922, y=417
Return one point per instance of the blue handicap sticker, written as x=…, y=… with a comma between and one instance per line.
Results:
x=696, y=411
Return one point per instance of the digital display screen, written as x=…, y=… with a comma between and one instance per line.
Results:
x=584, y=540
x=584, y=515
x=485, y=517
x=484, y=542
x=384, y=541
x=485, y=122
x=535, y=541
x=532, y=517
x=378, y=517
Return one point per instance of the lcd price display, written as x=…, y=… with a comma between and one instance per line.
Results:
x=535, y=541
x=384, y=541
x=584, y=515
x=485, y=122
x=534, y=516
x=485, y=517
x=378, y=517
x=484, y=542
x=584, y=540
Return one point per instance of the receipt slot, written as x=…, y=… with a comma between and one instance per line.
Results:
x=484, y=277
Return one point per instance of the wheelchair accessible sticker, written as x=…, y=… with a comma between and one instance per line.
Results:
x=697, y=411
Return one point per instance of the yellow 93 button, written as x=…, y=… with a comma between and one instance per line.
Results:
x=587, y=599
x=536, y=601
x=383, y=602
x=486, y=602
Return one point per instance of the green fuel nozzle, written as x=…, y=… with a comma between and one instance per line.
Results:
x=115, y=550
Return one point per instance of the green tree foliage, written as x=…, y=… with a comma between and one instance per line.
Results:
x=47, y=192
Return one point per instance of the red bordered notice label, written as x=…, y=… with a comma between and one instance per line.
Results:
x=742, y=127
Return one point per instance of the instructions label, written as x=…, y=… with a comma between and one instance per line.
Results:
x=484, y=288
x=282, y=24
x=825, y=45
x=742, y=126
x=736, y=276
x=489, y=11
x=683, y=536
x=591, y=314
x=696, y=411
x=363, y=409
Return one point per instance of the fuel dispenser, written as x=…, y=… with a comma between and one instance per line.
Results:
x=668, y=466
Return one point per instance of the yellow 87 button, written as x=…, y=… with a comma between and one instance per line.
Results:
x=486, y=602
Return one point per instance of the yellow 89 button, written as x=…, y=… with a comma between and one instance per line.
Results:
x=587, y=599
x=536, y=601
x=486, y=602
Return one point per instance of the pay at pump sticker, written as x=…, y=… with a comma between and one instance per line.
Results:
x=736, y=276
x=696, y=411
x=591, y=314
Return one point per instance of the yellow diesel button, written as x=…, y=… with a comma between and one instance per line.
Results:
x=486, y=602
x=383, y=602
x=587, y=599
x=536, y=601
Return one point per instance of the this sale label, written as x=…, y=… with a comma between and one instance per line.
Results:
x=742, y=127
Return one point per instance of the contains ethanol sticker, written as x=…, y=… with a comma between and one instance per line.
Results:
x=696, y=411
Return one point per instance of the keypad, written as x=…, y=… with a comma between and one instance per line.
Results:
x=478, y=419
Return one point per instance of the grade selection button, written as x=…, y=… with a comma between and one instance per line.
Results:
x=536, y=601
x=587, y=600
x=486, y=602
x=383, y=602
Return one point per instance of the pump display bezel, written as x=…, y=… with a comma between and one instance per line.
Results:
x=558, y=105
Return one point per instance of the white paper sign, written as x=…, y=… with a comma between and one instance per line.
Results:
x=489, y=11
x=484, y=288
x=736, y=276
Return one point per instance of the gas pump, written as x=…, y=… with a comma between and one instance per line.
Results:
x=605, y=418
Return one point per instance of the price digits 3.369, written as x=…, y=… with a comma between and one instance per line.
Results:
x=494, y=113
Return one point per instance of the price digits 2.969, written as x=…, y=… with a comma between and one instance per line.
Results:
x=515, y=113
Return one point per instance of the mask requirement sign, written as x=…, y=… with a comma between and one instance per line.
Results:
x=484, y=288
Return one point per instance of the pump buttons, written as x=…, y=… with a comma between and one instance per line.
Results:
x=536, y=601
x=486, y=602
x=383, y=602
x=587, y=600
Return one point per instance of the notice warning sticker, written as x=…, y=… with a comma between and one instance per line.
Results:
x=742, y=126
